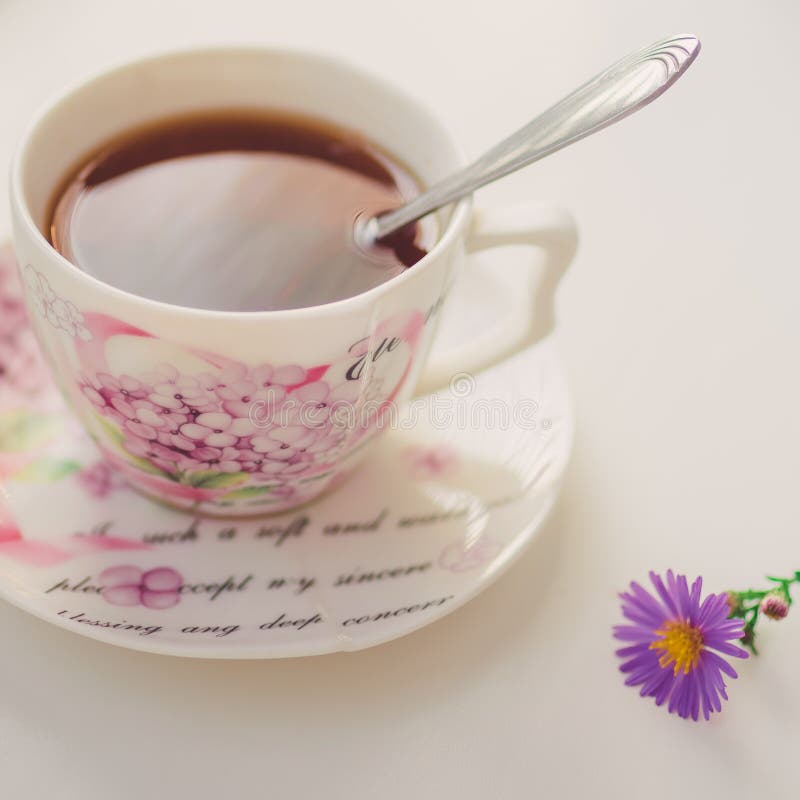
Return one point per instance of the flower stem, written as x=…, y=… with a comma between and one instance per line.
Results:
x=774, y=602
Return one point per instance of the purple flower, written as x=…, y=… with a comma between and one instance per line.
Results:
x=674, y=644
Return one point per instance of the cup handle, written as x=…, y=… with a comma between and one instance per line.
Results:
x=548, y=229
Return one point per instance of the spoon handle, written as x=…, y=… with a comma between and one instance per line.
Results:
x=612, y=95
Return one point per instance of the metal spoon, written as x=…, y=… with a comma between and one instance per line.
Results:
x=612, y=95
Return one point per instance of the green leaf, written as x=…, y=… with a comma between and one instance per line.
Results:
x=45, y=470
x=317, y=477
x=22, y=430
x=247, y=492
x=781, y=581
x=111, y=431
x=215, y=480
x=144, y=465
x=113, y=435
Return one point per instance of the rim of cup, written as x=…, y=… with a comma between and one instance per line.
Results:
x=455, y=224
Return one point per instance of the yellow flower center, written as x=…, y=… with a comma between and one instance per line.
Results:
x=680, y=644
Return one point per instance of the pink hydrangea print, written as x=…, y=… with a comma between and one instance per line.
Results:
x=126, y=585
x=256, y=422
x=199, y=435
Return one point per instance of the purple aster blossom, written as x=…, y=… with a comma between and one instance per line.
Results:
x=674, y=644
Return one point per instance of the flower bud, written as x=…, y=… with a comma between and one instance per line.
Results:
x=734, y=603
x=774, y=605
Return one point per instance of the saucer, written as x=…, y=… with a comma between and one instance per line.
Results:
x=442, y=504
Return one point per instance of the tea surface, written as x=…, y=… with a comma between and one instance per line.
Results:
x=235, y=211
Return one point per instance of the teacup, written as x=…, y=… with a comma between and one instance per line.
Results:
x=236, y=413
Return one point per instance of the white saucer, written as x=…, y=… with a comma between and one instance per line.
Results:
x=440, y=507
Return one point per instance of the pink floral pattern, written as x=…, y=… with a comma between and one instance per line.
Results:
x=38, y=553
x=257, y=422
x=426, y=463
x=100, y=479
x=59, y=312
x=22, y=370
x=267, y=427
x=466, y=554
x=126, y=585
x=230, y=432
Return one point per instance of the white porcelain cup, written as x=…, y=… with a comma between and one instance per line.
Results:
x=252, y=412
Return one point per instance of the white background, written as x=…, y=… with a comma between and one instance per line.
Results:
x=679, y=325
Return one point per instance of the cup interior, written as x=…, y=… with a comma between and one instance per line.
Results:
x=140, y=92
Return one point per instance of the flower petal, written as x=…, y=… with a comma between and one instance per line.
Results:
x=220, y=439
x=123, y=406
x=141, y=430
x=289, y=375
x=242, y=427
x=150, y=418
x=264, y=444
x=206, y=454
x=312, y=392
x=166, y=401
x=216, y=421
x=727, y=648
x=192, y=431
x=665, y=596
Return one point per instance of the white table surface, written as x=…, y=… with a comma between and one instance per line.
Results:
x=679, y=327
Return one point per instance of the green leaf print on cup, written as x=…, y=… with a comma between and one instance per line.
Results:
x=46, y=470
x=22, y=430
